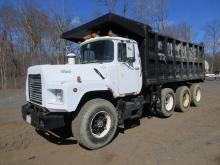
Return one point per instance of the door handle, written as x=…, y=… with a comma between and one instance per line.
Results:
x=137, y=68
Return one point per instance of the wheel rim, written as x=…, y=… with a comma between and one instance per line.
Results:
x=198, y=95
x=186, y=99
x=100, y=124
x=169, y=102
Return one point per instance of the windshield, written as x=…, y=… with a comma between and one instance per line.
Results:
x=98, y=51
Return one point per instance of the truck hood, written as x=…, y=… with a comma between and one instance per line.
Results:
x=69, y=73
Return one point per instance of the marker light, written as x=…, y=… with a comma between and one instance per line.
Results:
x=87, y=37
x=110, y=34
x=94, y=35
x=78, y=79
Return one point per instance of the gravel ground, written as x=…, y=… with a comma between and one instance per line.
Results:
x=184, y=138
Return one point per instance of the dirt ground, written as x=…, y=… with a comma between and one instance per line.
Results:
x=184, y=138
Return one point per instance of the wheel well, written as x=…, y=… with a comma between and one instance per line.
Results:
x=175, y=85
x=105, y=94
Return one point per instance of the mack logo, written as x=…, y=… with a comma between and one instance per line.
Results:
x=65, y=71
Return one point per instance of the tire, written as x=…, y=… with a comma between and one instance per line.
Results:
x=167, y=102
x=96, y=124
x=196, y=94
x=183, y=99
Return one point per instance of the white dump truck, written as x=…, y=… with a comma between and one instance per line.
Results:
x=124, y=67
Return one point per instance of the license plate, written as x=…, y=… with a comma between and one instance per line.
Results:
x=28, y=119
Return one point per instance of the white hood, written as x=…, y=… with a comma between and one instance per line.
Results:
x=68, y=73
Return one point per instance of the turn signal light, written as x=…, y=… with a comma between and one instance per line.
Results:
x=78, y=79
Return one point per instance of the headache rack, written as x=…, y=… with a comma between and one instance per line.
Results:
x=35, y=88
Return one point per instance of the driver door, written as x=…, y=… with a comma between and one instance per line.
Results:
x=129, y=70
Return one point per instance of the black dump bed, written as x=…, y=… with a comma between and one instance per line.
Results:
x=164, y=59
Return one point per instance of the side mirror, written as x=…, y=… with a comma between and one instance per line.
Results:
x=130, y=53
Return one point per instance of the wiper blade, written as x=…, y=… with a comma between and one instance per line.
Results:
x=95, y=61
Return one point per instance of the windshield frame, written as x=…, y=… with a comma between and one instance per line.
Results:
x=112, y=47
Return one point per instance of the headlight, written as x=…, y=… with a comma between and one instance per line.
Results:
x=59, y=95
x=55, y=96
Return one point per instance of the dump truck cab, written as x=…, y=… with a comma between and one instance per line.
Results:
x=120, y=61
x=106, y=64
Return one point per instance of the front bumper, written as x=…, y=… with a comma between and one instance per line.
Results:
x=40, y=119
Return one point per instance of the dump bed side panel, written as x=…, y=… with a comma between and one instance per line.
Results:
x=167, y=60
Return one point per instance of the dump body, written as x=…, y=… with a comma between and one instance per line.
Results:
x=164, y=59
x=167, y=60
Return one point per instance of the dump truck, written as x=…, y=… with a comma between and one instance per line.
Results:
x=125, y=68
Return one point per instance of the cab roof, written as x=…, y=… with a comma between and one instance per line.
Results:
x=119, y=25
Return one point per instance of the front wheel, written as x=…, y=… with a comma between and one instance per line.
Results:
x=96, y=124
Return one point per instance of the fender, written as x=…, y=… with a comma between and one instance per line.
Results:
x=75, y=92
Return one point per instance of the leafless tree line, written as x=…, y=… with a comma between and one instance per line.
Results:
x=215, y=64
x=152, y=12
x=212, y=41
x=30, y=35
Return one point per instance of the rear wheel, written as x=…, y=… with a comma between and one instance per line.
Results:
x=183, y=99
x=167, y=102
x=96, y=124
x=196, y=94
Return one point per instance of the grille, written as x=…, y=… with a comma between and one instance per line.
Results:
x=35, y=88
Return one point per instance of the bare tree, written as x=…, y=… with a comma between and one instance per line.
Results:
x=153, y=12
x=30, y=35
x=181, y=30
x=212, y=39
x=159, y=15
x=142, y=10
x=7, y=27
x=185, y=31
x=33, y=21
x=217, y=62
x=60, y=22
x=109, y=4
x=125, y=7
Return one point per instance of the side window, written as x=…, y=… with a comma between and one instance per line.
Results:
x=122, y=51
